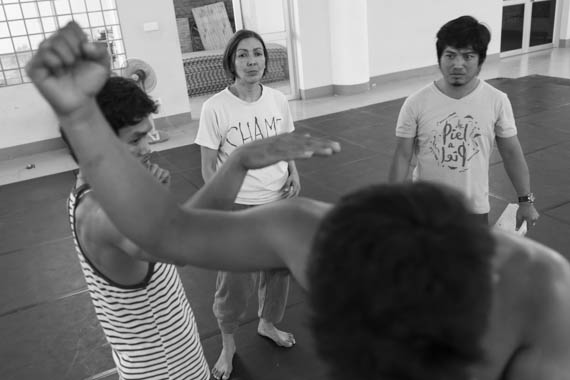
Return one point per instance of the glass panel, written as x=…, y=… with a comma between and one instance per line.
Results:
x=21, y=43
x=17, y=28
x=6, y=46
x=114, y=32
x=23, y=58
x=116, y=47
x=96, y=19
x=4, y=31
x=49, y=24
x=93, y=5
x=34, y=26
x=64, y=20
x=30, y=10
x=13, y=12
x=78, y=6
x=119, y=61
x=36, y=40
x=81, y=19
x=111, y=18
x=25, y=76
x=9, y=62
x=45, y=8
x=108, y=4
x=512, y=29
x=99, y=34
x=542, y=22
x=13, y=77
x=62, y=7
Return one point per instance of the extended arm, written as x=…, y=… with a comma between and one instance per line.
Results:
x=140, y=207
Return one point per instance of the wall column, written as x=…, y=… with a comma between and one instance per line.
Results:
x=349, y=46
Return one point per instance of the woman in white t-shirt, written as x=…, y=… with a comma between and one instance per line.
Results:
x=243, y=112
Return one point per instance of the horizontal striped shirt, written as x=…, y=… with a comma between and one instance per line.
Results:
x=150, y=326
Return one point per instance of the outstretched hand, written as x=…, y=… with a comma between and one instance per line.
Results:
x=68, y=70
x=284, y=147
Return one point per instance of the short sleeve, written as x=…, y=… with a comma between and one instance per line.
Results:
x=407, y=125
x=505, y=125
x=209, y=134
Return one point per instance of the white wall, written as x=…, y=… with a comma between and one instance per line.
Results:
x=313, y=43
x=402, y=38
x=26, y=118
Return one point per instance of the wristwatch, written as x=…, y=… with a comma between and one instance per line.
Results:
x=529, y=198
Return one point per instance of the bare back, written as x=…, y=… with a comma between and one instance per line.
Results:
x=529, y=328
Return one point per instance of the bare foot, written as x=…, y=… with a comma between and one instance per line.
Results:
x=223, y=367
x=281, y=338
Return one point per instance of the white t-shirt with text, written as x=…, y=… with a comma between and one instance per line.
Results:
x=455, y=137
x=227, y=122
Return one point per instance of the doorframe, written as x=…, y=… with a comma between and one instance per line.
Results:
x=288, y=21
x=527, y=27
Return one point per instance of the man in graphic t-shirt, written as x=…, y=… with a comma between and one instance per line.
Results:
x=451, y=125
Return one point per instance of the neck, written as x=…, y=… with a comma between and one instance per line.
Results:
x=248, y=92
x=457, y=92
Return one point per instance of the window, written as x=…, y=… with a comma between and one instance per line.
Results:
x=24, y=24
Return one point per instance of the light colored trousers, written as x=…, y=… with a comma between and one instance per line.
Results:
x=234, y=290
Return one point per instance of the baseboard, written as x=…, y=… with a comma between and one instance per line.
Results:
x=56, y=143
x=30, y=149
x=317, y=92
x=351, y=89
x=564, y=43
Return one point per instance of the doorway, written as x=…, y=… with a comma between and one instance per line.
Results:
x=528, y=25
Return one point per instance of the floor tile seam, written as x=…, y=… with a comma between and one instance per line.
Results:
x=539, y=209
x=33, y=205
x=546, y=211
x=47, y=242
x=102, y=375
x=44, y=302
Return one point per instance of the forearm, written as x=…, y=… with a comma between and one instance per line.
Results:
x=292, y=167
x=221, y=188
x=117, y=177
x=399, y=169
x=517, y=170
x=515, y=165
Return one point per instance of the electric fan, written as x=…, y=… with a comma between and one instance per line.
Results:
x=141, y=72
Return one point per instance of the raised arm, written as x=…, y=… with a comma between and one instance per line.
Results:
x=69, y=71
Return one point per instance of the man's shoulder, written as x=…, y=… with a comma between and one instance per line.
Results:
x=536, y=268
x=423, y=92
x=488, y=90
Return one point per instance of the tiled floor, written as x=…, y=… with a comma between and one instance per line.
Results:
x=48, y=329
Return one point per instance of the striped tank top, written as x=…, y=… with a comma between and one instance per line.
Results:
x=150, y=326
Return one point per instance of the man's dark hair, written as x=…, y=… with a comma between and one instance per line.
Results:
x=123, y=103
x=400, y=285
x=229, y=59
x=464, y=32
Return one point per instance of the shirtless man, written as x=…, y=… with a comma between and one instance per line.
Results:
x=496, y=306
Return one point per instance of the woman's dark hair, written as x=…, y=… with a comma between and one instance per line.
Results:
x=231, y=48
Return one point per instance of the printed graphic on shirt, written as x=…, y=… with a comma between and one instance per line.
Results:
x=248, y=131
x=455, y=142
